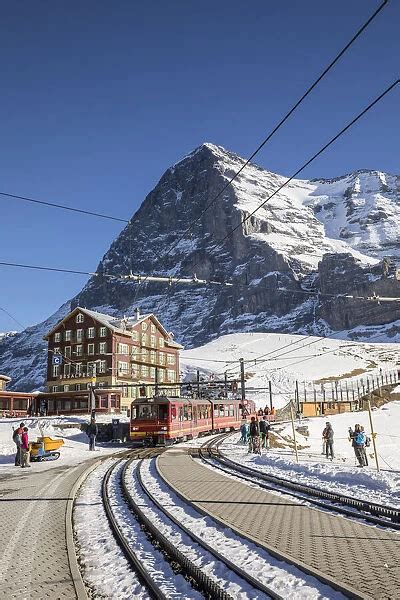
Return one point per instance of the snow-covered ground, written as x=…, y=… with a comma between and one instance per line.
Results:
x=74, y=450
x=289, y=358
x=341, y=474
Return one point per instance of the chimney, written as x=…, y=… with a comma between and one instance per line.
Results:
x=137, y=314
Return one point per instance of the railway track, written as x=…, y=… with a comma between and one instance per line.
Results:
x=208, y=574
x=385, y=516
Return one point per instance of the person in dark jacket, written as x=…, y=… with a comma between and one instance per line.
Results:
x=91, y=431
x=327, y=435
x=264, y=429
x=254, y=443
x=17, y=439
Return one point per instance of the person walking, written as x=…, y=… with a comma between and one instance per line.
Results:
x=17, y=439
x=92, y=431
x=254, y=444
x=264, y=429
x=327, y=435
x=25, y=448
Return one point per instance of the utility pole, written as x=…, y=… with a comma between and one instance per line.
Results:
x=156, y=381
x=294, y=432
x=242, y=385
x=226, y=384
x=270, y=393
x=373, y=434
x=198, y=383
x=92, y=397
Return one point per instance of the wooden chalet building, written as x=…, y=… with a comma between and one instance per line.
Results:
x=13, y=403
x=88, y=346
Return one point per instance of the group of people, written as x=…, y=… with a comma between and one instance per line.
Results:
x=359, y=441
x=358, y=438
x=255, y=434
x=21, y=440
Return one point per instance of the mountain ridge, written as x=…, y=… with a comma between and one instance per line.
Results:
x=296, y=241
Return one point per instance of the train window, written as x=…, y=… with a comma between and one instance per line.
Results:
x=231, y=410
x=134, y=412
x=147, y=411
x=216, y=410
x=181, y=413
x=163, y=412
x=173, y=411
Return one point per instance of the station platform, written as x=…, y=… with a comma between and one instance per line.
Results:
x=34, y=539
x=361, y=559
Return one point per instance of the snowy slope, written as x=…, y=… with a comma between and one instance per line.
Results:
x=289, y=358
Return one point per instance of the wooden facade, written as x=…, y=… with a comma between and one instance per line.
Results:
x=95, y=348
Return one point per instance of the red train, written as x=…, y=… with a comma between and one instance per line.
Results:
x=165, y=420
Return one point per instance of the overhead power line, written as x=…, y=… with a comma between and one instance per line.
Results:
x=310, y=160
x=280, y=123
x=65, y=207
x=285, y=118
x=12, y=317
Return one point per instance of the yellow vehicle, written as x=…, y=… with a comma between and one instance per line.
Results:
x=45, y=449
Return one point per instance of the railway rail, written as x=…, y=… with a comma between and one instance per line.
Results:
x=385, y=516
x=208, y=586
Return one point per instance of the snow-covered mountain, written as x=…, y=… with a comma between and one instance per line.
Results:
x=322, y=235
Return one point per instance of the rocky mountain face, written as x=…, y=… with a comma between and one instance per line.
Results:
x=326, y=236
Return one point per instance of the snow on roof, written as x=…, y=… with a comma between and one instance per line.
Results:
x=5, y=378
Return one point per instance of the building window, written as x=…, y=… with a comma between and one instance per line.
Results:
x=103, y=348
x=67, y=369
x=153, y=341
x=152, y=372
x=170, y=359
x=79, y=318
x=171, y=375
x=123, y=349
x=161, y=375
x=91, y=332
x=56, y=351
x=78, y=350
x=152, y=357
x=56, y=370
x=102, y=366
x=103, y=331
x=144, y=370
x=144, y=339
x=123, y=368
x=91, y=369
x=135, y=336
x=161, y=342
x=144, y=326
x=67, y=351
x=79, y=335
x=135, y=371
x=66, y=388
x=57, y=337
x=152, y=328
x=78, y=369
x=78, y=387
x=54, y=388
x=67, y=335
x=90, y=348
x=162, y=358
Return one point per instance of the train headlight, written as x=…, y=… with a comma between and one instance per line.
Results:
x=134, y=428
x=164, y=428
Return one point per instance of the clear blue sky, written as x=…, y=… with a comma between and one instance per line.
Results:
x=99, y=98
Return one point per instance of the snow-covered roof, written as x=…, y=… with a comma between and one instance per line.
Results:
x=5, y=378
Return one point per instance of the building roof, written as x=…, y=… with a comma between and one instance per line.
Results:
x=5, y=378
x=116, y=324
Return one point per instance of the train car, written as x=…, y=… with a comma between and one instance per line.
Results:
x=165, y=420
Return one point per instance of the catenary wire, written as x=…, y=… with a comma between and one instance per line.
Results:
x=64, y=207
x=12, y=317
x=282, y=121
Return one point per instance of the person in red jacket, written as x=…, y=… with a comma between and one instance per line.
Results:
x=24, y=448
